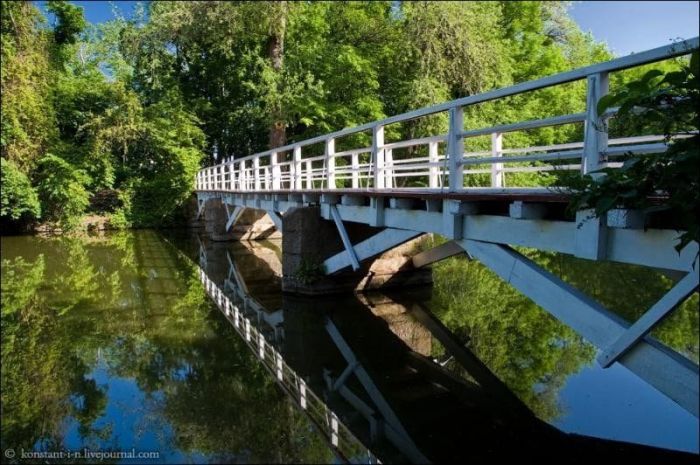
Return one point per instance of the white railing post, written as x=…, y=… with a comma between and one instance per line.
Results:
x=309, y=174
x=497, y=177
x=389, y=168
x=232, y=175
x=595, y=139
x=378, y=156
x=266, y=178
x=434, y=169
x=276, y=171
x=296, y=162
x=242, y=181
x=455, y=149
x=330, y=163
x=355, y=170
x=256, y=173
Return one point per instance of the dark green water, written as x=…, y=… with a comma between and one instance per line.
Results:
x=112, y=343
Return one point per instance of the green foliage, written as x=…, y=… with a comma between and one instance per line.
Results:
x=310, y=271
x=27, y=75
x=70, y=21
x=18, y=197
x=136, y=103
x=62, y=191
x=658, y=103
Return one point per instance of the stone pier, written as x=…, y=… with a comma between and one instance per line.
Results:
x=309, y=240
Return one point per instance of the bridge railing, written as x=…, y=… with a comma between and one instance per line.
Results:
x=440, y=161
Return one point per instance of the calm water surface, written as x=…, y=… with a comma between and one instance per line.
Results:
x=112, y=343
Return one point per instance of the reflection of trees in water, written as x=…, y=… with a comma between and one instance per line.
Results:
x=140, y=306
x=44, y=376
x=629, y=291
x=529, y=350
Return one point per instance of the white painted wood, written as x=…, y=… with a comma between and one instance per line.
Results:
x=379, y=243
x=276, y=218
x=660, y=310
x=355, y=166
x=352, y=200
x=378, y=156
x=497, y=152
x=330, y=163
x=564, y=155
x=297, y=167
x=595, y=134
x=434, y=175
x=590, y=236
x=377, y=217
x=455, y=149
x=626, y=219
x=276, y=171
x=402, y=203
x=233, y=216
x=256, y=173
x=666, y=370
x=525, y=125
x=330, y=198
x=309, y=174
x=350, y=253
x=441, y=252
x=527, y=211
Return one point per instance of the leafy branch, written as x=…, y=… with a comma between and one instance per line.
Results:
x=658, y=102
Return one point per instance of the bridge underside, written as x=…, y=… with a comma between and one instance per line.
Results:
x=485, y=224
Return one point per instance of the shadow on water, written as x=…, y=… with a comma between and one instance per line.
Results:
x=114, y=343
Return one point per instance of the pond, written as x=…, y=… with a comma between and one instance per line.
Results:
x=112, y=343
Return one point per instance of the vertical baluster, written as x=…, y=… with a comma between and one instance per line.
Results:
x=330, y=163
x=309, y=175
x=296, y=160
x=455, y=149
x=378, y=156
x=434, y=169
x=497, y=175
x=276, y=171
x=389, y=168
x=256, y=173
x=595, y=141
x=241, y=176
x=355, y=170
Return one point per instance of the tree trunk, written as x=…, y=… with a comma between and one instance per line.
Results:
x=275, y=52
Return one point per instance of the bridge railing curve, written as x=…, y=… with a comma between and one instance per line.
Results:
x=439, y=162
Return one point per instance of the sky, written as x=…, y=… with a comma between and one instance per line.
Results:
x=629, y=27
x=625, y=26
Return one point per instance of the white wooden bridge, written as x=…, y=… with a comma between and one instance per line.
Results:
x=375, y=185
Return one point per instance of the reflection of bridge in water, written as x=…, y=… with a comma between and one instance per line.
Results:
x=361, y=371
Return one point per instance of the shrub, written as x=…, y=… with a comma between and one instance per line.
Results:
x=18, y=198
x=62, y=191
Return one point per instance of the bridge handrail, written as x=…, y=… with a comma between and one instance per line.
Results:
x=299, y=173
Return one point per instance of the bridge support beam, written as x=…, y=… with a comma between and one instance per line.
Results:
x=316, y=261
x=663, y=368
